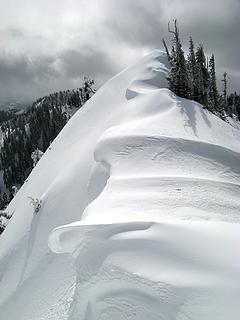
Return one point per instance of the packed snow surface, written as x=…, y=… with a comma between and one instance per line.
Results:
x=140, y=196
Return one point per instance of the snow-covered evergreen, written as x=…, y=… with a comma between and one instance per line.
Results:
x=196, y=77
x=36, y=156
x=213, y=99
x=178, y=76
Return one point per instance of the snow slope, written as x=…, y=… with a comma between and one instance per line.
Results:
x=153, y=182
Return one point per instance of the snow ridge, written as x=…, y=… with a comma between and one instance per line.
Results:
x=163, y=189
x=154, y=188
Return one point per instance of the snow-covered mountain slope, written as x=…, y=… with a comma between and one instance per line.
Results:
x=153, y=182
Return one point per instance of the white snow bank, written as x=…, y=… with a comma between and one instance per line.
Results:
x=148, y=270
x=159, y=241
x=153, y=183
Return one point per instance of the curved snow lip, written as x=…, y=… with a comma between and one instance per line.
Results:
x=152, y=209
x=146, y=77
x=72, y=237
x=164, y=241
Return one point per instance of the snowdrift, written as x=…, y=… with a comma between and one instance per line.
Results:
x=146, y=187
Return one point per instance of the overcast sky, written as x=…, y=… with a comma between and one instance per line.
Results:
x=49, y=45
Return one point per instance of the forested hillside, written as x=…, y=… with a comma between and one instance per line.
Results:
x=26, y=136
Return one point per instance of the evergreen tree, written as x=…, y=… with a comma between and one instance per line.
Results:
x=213, y=100
x=36, y=156
x=234, y=103
x=2, y=227
x=192, y=71
x=178, y=77
x=2, y=205
x=5, y=200
x=202, y=76
x=224, y=103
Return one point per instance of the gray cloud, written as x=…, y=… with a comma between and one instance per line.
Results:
x=86, y=62
x=23, y=78
x=216, y=24
x=24, y=69
x=136, y=23
x=40, y=52
x=13, y=32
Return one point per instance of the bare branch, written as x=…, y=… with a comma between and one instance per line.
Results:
x=166, y=48
x=175, y=25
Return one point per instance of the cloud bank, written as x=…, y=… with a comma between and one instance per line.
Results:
x=50, y=45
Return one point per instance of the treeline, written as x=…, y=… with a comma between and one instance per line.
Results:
x=36, y=129
x=194, y=77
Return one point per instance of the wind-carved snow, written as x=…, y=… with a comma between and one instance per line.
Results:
x=160, y=240
x=153, y=182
